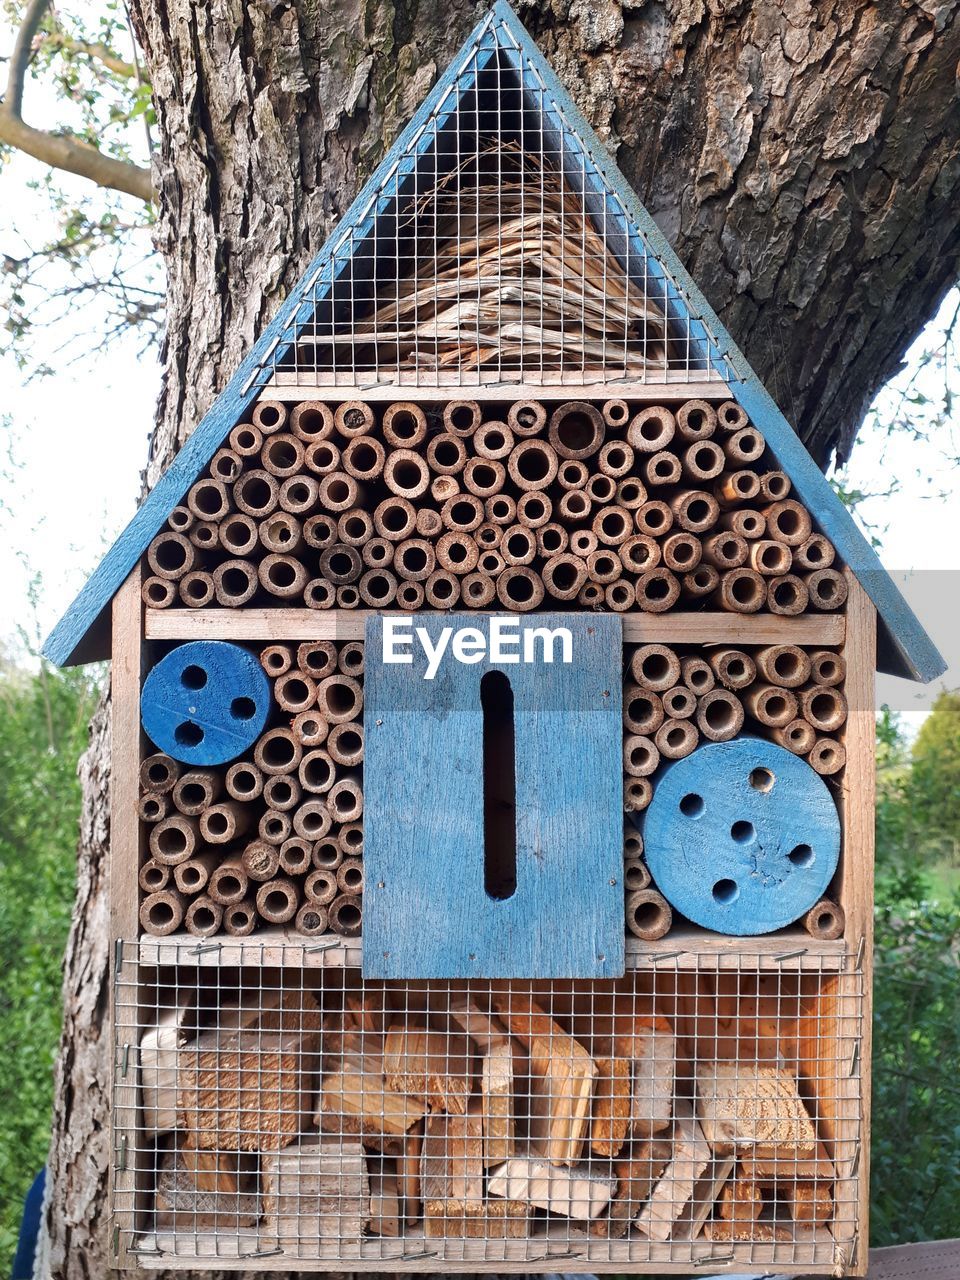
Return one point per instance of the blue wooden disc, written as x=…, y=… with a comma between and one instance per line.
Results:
x=742, y=837
x=206, y=702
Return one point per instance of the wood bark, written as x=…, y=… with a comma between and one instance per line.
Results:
x=803, y=159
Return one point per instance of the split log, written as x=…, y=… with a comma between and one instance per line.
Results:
x=206, y=1191
x=356, y=1100
x=496, y=1076
x=576, y=1192
x=637, y=1175
x=451, y=1169
x=428, y=1064
x=384, y=1203
x=315, y=1192
x=690, y=1157
x=742, y=1104
x=159, y=1049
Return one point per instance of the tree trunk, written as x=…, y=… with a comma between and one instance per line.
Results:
x=802, y=158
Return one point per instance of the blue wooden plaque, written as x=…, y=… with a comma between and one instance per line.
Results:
x=493, y=807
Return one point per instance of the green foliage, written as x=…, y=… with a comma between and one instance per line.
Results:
x=43, y=730
x=935, y=776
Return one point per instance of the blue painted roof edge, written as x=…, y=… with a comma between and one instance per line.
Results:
x=913, y=652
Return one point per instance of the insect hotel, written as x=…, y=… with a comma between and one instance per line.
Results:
x=493, y=727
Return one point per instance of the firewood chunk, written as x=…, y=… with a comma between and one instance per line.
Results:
x=689, y=1159
x=637, y=1175
x=746, y=1105
x=575, y=1191
x=430, y=1065
x=315, y=1192
x=206, y=1190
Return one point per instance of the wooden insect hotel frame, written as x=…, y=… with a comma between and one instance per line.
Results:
x=493, y=723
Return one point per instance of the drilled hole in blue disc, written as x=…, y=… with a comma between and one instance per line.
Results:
x=726, y=891
x=692, y=805
x=801, y=856
x=188, y=734
x=193, y=677
x=762, y=779
x=243, y=708
x=743, y=832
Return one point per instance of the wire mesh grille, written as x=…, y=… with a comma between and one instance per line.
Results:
x=689, y=1115
x=492, y=251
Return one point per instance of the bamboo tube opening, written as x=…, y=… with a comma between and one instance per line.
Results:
x=825, y=920
x=616, y=413
x=350, y=876
x=501, y=510
x=295, y=856
x=173, y=840
x=639, y=553
x=277, y=751
x=274, y=826
x=244, y=781
x=679, y=703
x=196, y=590
x=277, y=900
x=205, y=535
x=642, y=710
x=604, y=567
x=827, y=756
x=656, y=667
x=676, y=739
x=518, y=546
x=651, y=430
x=320, y=886
x=281, y=791
x=447, y=454
x=631, y=493
x=208, y=500
x=827, y=589
x=657, y=590
x=311, y=919
x=351, y=838
x=816, y=553
x=563, y=575
x=153, y=877
x=591, y=595
x=311, y=820
x=635, y=876
x=483, y=477
x=696, y=420
x=457, y=552
x=576, y=430
x=238, y=535
x=742, y=591
x=378, y=587
x=552, y=539
x=532, y=465
x=317, y=772
x=827, y=668
x=583, y=542
x=354, y=418
x=345, y=800
x=363, y=458
x=204, y=917
x=246, y=440
x=327, y=856
x=697, y=675
x=462, y=417
x=322, y=457
x=620, y=596
x=725, y=550
x=319, y=594
x=788, y=522
x=601, y=488
x=171, y=555
x=410, y=595
x=653, y=518
x=733, y=668
x=704, y=460
x=730, y=416
x=311, y=420
x=239, y=919
x=404, y=425
x=787, y=595
x=616, y=458
x=478, y=590
x=648, y=915
x=310, y=729
x=826, y=709
x=441, y=590
x=158, y=593
x=745, y=445
x=282, y=576
x=282, y=455
x=519, y=588
x=341, y=564
x=414, y=559
x=534, y=509
x=526, y=417
x=772, y=558
x=493, y=440
x=612, y=526
x=345, y=744
x=775, y=486
x=152, y=807
x=226, y=466
x=696, y=511
x=339, y=492
x=350, y=660
x=346, y=916
x=319, y=532
x=637, y=794
x=269, y=415
x=798, y=736
x=355, y=527
x=256, y=493
x=719, y=715
x=574, y=506
x=640, y=755
x=702, y=581
x=682, y=552
x=464, y=512
x=572, y=474
x=339, y=698
x=281, y=532
x=195, y=791
x=162, y=912
x=377, y=553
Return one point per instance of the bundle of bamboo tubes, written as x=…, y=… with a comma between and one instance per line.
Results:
x=518, y=506
x=674, y=698
x=277, y=836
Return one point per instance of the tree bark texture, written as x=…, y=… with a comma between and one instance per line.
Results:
x=803, y=158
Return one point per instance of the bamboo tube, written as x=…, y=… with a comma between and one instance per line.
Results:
x=283, y=576
x=461, y=417
x=735, y=487
x=282, y=791
x=322, y=458
x=532, y=465
x=355, y=527
x=676, y=739
x=827, y=756
x=725, y=551
x=377, y=553
x=612, y=525
x=310, y=729
x=520, y=588
x=616, y=413
x=246, y=440
x=464, y=511
x=563, y=575
x=350, y=659
x=441, y=590
x=682, y=552
x=534, y=510
x=174, y=839
x=655, y=667
x=826, y=589
x=153, y=876
x=695, y=510
x=816, y=553
x=328, y=854
x=654, y=518
x=162, y=912
x=204, y=917
x=312, y=820
x=277, y=751
x=318, y=658
x=576, y=430
x=604, y=566
x=159, y=773
x=733, y=668
x=639, y=553
x=317, y=771
x=616, y=459
x=775, y=486
x=152, y=807
x=350, y=876
x=631, y=493
x=270, y=416
x=772, y=559
x=274, y=826
x=256, y=493
x=458, y=552
x=741, y=591
x=320, y=886
x=354, y=418
x=363, y=459
x=345, y=744
x=783, y=664
x=311, y=420
x=378, y=588
x=697, y=675
x=295, y=856
x=311, y=919
x=493, y=440
x=196, y=589
x=583, y=542
x=489, y=536
x=239, y=535
x=661, y=469
x=341, y=564
x=526, y=417
x=827, y=668
x=239, y=919
x=797, y=736
x=404, y=425
x=637, y=794
x=192, y=876
x=443, y=488
x=642, y=710
x=620, y=596
x=679, y=703
x=221, y=823
x=282, y=455
x=787, y=595
x=824, y=708
x=478, y=590
x=320, y=532
x=209, y=500
x=244, y=781
x=657, y=591
x=744, y=446
x=719, y=715
x=171, y=555
x=295, y=691
x=696, y=420
x=572, y=474
x=771, y=705
x=281, y=533
x=700, y=582
x=339, y=491
x=229, y=882
x=825, y=921
x=636, y=875
x=205, y=536
x=788, y=522
x=276, y=659
x=640, y=755
x=410, y=595
x=730, y=417
x=319, y=594
x=601, y=488
x=346, y=915
x=260, y=860
x=703, y=461
x=648, y=914
x=339, y=698
x=632, y=841
x=574, y=506
x=651, y=430
x=746, y=524
x=196, y=790
x=278, y=900
x=158, y=593
x=447, y=455
x=552, y=538
x=483, y=477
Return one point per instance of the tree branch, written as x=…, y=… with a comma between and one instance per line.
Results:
x=99, y=52
x=59, y=150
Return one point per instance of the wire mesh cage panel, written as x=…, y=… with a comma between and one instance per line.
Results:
x=297, y=1116
x=492, y=250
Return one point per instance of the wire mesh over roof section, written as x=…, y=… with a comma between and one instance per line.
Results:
x=493, y=250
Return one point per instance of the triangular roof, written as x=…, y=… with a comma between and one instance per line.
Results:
x=335, y=292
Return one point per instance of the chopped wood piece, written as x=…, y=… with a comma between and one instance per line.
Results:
x=740, y=1232
x=451, y=1169
x=576, y=1191
x=408, y=1174
x=315, y=1191
x=562, y=1074
x=742, y=1104
x=478, y=1220
x=496, y=1051
x=206, y=1190
x=250, y=1086
x=612, y=1106
x=367, y=1012
x=384, y=1204
x=159, y=1051
x=654, y=1059
x=767, y=1167
x=636, y=1177
x=810, y=1202
x=691, y=1155
x=429, y=1064
x=355, y=1100
x=741, y=1200
x=704, y=1197
x=482, y=1028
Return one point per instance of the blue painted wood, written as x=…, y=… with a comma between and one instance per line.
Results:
x=905, y=649
x=742, y=837
x=206, y=702
x=426, y=911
